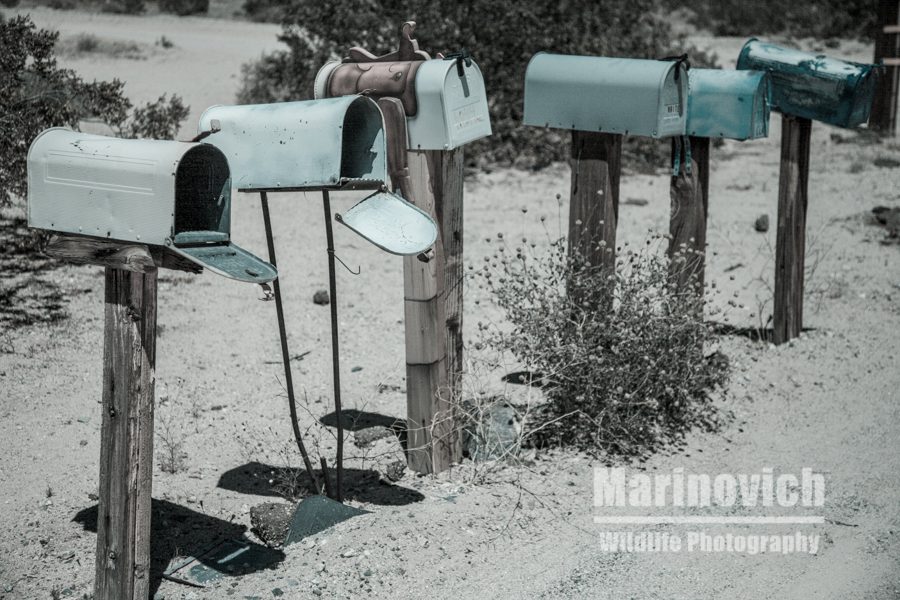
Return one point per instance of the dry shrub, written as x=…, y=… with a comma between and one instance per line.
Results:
x=629, y=377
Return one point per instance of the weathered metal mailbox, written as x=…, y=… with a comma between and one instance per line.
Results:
x=624, y=96
x=444, y=99
x=159, y=193
x=317, y=145
x=728, y=104
x=813, y=86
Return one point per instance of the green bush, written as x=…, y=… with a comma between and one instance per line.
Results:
x=124, y=7
x=623, y=378
x=36, y=94
x=802, y=18
x=184, y=7
x=502, y=36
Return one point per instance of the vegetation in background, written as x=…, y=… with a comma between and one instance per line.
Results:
x=802, y=18
x=184, y=7
x=36, y=94
x=625, y=379
x=502, y=36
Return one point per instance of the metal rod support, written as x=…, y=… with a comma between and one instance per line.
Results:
x=285, y=353
x=335, y=349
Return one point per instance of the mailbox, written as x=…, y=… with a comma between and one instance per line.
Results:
x=625, y=96
x=327, y=144
x=728, y=104
x=444, y=99
x=813, y=86
x=159, y=193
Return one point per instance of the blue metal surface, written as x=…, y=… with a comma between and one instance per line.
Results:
x=612, y=95
x=728, y=104
x=813, y=86
x=335, y=143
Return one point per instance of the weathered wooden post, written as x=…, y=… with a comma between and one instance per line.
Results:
x=887, y=52
x=689, y=202
x=721, y=104
x=126, y=444
x=132, y=206
x=805, y=87
x=790, y=238
x=596, y=163
x=436, y=106
x=601, y=100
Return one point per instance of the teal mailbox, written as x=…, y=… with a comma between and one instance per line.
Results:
x=626, y=96
x=813, y=86
x=728, y=104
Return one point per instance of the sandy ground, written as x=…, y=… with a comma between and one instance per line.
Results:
x=829, y=401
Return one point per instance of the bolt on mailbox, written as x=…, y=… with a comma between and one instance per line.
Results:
x=813, y=86
x=625, y=96
x=160, y=193
x=328, y=144
x=444, y=98
x=728, y=104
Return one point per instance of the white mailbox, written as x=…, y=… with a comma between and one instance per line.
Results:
x=626, y=96
x=160, y=193
x=444, y=99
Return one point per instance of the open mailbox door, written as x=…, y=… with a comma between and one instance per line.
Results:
x=176, y=195
x=321, y=145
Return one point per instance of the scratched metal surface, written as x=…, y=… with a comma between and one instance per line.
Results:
x=391, y=223
x=103, y=186
x=813, y=86
x=728, y=104
x=312, y=144
x=613, y=95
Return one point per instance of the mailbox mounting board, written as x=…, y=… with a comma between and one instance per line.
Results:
x=813, y=86
x=728, y=104
x=335, y=143
x=625, y=96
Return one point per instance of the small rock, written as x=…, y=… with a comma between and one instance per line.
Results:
x=277, y=592
x=395, y=470
x=369, y=435
x=356, y=369
x=321, y=297
x=636, y=201
x=270, y=521
x=761, y=224
x=349, y=553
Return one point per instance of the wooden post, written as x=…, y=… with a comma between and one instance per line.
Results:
x=433, y=313
x=790, y=244
x=887, y=49
x=126, y=447
x=689, y=194
x=594, y=200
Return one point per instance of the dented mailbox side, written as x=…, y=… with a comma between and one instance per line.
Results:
x=104, y=187
x=813, y=86
x=612, y=95
x=728, y=104
x=312, y=144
